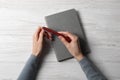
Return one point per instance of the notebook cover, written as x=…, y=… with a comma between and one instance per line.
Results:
x=66, y=21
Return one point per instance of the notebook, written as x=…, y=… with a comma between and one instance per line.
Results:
x=66, y=21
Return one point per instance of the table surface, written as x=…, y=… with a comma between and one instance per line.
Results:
x=20, y=18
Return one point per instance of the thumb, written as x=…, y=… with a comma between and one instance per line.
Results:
x=41, y=35
x=63, y=40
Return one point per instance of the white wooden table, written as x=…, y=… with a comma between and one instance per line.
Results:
x=20, y=18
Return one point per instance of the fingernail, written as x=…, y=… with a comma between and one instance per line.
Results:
x=43, y=30
x=59, y=37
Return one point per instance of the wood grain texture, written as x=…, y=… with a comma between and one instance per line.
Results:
x=20, y=18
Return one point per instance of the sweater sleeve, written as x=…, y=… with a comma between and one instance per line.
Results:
x=91, y=72
x=30, y=69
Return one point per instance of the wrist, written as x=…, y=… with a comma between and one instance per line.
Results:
x=35, y=54
x=79, y=57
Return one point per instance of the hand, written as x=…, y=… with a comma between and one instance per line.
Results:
x=73, y=47
x=38, y=42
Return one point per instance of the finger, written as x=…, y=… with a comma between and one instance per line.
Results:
x=50, y=36
x=41, y=34
x=63, y=40
x=67, y=34
x=63, y=32
x=36, y=34
x=46, y=34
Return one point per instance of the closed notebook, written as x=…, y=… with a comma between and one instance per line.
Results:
x=66, y=21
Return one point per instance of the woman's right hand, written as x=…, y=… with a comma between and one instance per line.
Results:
x=73, y=46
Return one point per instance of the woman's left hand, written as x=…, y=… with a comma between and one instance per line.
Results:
x=38, y=42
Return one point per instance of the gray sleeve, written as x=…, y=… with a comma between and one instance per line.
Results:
x=30, y=69
x=91, y=72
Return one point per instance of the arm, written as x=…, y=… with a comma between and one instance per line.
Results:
x=30, y=70
x=74, y=48
x=91, y=72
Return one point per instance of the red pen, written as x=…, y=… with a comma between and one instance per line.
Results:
x=56, y=33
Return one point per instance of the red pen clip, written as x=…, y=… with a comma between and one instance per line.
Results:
x=56, y=33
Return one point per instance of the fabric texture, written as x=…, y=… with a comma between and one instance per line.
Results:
x=31, y=68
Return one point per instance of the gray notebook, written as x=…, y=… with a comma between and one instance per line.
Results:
x=66, y=21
